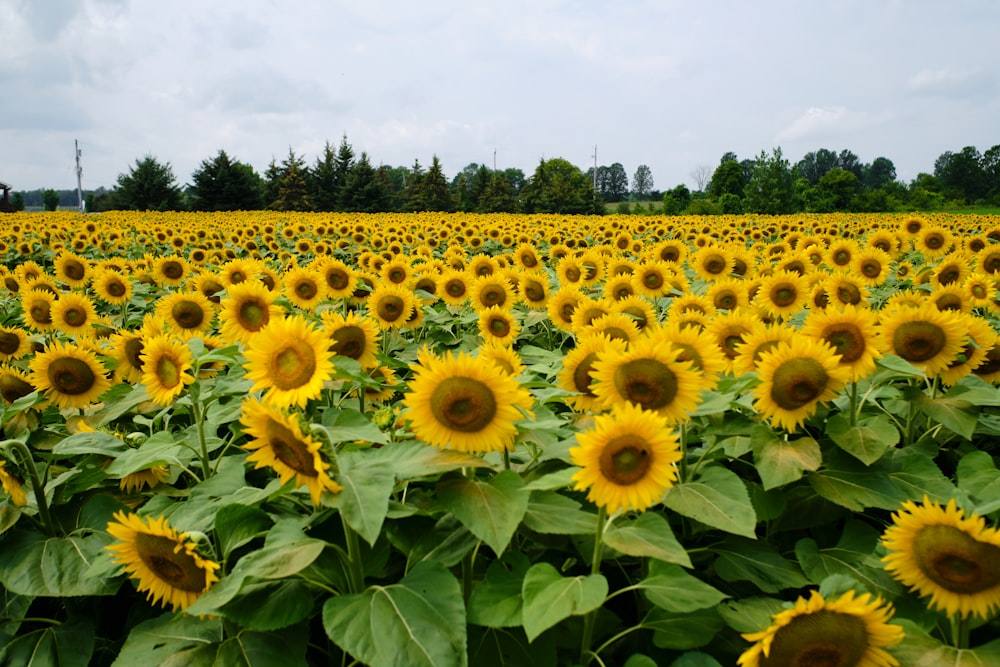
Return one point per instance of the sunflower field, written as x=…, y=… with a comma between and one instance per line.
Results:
x=452, y=439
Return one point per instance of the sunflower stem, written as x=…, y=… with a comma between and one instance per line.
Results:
x=506, y=458
x=356, y=582
x=595, y=568
x=199, y=417
x=960, y=628
x=28, y=462
x=854, y=403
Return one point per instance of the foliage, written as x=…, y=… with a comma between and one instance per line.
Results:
x=148, y=186
x=50, y=199
x=224, y=184
x=770, y=189
x=642, y=182
x=558, y=187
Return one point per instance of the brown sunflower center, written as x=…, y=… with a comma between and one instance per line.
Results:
x=533, y=291
x=133, y=350
x=499, y=327
x=819, y=639
x=948, y=301
x=115, y=288
x=396, y=275
x=714, y=264
x=349, y=341
x=991, y=262
x=9, y=342
x=168, y=371
x=463, y=404
x=648, y=383
x=652, y=280
x=616, y=333
x=493, y=295
x=71, y=376
x=848, y=293
x=169, y=563
x=725, y=299
x=934, y=241
x=625, y=459
x=783, y=294
x=528, y=260
x=731, y=340
x=390, y=307
x=41, y=312
x=842, y=258
x=13, y=387
x=847, y=339
x=871, y=268
x=188, y=314
x=573, y=274
x=290, y=450
x=426, y=284
x=306, y=289
x=253, y=315
x=75, y=316
x=567, y=308
x=294, y=365
x=688, y=354
x=455, y=288
x=949, y=275
x=338, y=279
x=918, y=341
x=955, y=560
x=74, y=270
x=581, y=375
x=766, y=346
x=797, y=382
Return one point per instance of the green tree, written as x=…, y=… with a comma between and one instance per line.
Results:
x=813, y=165
x=676, y=200
x=17, y=201
x=559, y=187
x=367, y=190
x=436, y=193
x=842, y=186
x=323, y=191
x=293, y=192
x=880, y=172
x=148, y=186
x=771, y=188
x=224, y=184
x=50, y=200
x=961, y=175
x=499, y=196
x=728, y=178
x=612, y=182
x=413, y=191
x=642, y=182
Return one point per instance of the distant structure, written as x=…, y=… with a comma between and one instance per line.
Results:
x=5, y=205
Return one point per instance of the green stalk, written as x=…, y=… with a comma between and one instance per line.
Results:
x=854, y=403
x=36, y=483
x=595, y=568
x=199, y=418
x=960, y=629
x=356, y=581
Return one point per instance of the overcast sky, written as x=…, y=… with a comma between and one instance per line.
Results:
x=672, y=84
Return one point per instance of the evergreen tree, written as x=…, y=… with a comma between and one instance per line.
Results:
x=148, y=186
x=367, y=190
x=559, y=187
x=323, y=190
x=293, y=193
x=498, y=197
x=413, y=191
x=436, y=194
x=224, y=184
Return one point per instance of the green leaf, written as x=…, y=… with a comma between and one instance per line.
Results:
x=672, y=589
x=683, y=631
x=640, y=660
x=853, y=557
x=236, y=525
x=550, y=597
x=560, y=479
x=695, y=659
x=741, y=559
x=500, y=647
x=348, y=425
x=90, y=442
x=447, y=543
x=270, y=605
x=248, y=648
x=919, y=649
x=649, y=535
x=496, y=601
x=868, y=440
x=978, y=476
x=69, y=644
x=752, y=614
x=850, y=484
x=717, y=498
x=414, y=460
x=552, y=513
x=490, y=510
x=368, y=481
x=957, y=414
x=916, y=474
x=32, y=564
x=419, y=621
x=898, y=366
x=171, y=639
x=780, y=461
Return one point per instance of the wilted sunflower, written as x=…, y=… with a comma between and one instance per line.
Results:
x=247, y=308
x=14, y=343
x=69, y=376
x=851, y=333
x=166, y=365
x=37, y=306
x=165, y=563
x=649, y=374
x=851, y=631
x=627, y=460
x=12, y=486
x=187, y=314
x=290, y=359
x=926, y=337
x=353, y=336
x=795, y=378
x=939, y=552
x=14, y=384
x=577, y=366
x=280, y=443
x=457, y=402
x=112, y=287
x=304, y=287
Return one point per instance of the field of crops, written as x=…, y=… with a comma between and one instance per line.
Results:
x=454, y=439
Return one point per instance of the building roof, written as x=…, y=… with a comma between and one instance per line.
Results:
x=4, y=186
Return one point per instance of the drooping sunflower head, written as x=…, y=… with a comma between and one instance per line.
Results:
x=940, y=553
x=291, y=360
x=12, y=486
x=627, y=460
x=851, y=631
x=165, y=563
x=457, y=402
x=70, y=376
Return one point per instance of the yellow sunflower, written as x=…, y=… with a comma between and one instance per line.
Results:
x=783, y=294
x=627, y=460
x=727, y=293
x=649, y=374
x=872, y=266
x=761, y=338
x=562, y=306
x=188, y=314
x=12, y=486
x=491, y=290
x=391, y=305
x=166, y=364
x=503, y=356
x=290, y=359
x=980, y=339
x=112, y=287
x=340, y=279
x=851, y=631
x=37, y=307
x=170, y=270
x=14, y=343
x=851, y=333
x=278, y=442
x=843, y=289
x=577, y=366
x=728, y=330
x=498, y=325
x=165, y=563
x=304, y=287
x=74, y=314
x=454, y=287
x=457, y=402
x=638, y=308
x=941, y=553
x=150, y=477
x=69, y=376
x=533, y=289
x=652, y=279
x=246, y=310
x=352, y=335
x=209, y=285
x=928, y=338
x=71, y=269
x=14, y=384
x=588, y=310
x=795, y=378
x=711, y=262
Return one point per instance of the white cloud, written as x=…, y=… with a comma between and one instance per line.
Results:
x=830, y=123
x=949, y=82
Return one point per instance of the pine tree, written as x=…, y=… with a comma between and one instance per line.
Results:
x=293, y=194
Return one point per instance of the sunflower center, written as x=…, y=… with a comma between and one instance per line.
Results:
x=730, y=341
x=337, y=279
x=918, y=341
x=396, y=275
x=626, y=459
x=948, y=301
x=841, y=258
x=9, y=342
x=290, y=450
x=349, y=341
x=533, y=291
x=991, y=262
x=13, y=387
x=115, y=288
x=955, y=560
x=164, y=558
x=188, y=314
x=499, y=327
x=798, y=382
x=294, y=365
x=493, y=295
x=871, y=268
x=454, y=288
x=390, y=307
x=949, y=275
x=847, y=340
x=173, y=270
x=652, y=280
x=934, y=241
x=714, y=264
x=616, y=333
x=647, y=383
x=566, y=310
x=306, y=289
x=168, y=373
x=819, y=639
x=725, y=300
x=71, y=376
x=766, y=346
x=847, y=293
x=528, y=260
x=573, y=274
x=637, y=314
x=41, y=313
x=133, y=351
x=783, y=295
x=75, y=317
x=581, y=375
x=74, y=270
x=463, y=404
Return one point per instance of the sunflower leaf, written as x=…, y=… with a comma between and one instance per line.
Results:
x=672, y=589
x=717, y=497
x=919, y=649
x=552, y=513
x=956, y=414
x=758, y=562
x=503, y=647
x=550, y=597
x=264, y=649
x=867, y=440
x=69, y=644
x=848, y=483
x=496, y=602
x=368, y=481
x=780, y=461
x=682, y=631
x=417, y=622
x=172, y=639
x=491, y=510
x=32, y=564
x=648, y=535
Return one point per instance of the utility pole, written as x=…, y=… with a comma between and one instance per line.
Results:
x=79, y=176
x=595, y=167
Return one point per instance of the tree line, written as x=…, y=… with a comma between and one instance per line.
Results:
x=342, y=180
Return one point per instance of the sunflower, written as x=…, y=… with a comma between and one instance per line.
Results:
x=340, y=279
x=291, y=359
x=727, y=293
x=74, y=314
x=112, y=287
x=37, y=307
x=980, y=290
x=711, y=262
x=304, y=287
x=491, y=290
x=934, y=241
x=928, y=338
x=795, y=378
x=533, y=289
x=851, y=333
x=14, y=384
x=150, y=477
x=71, y=269
x=841, y=253
x=619, y=286
x=279, y=442
x=979, y=340
x=391, y=305
x=988, y=261
x=761, y=338
x=70, y=376
x=652, y=279
x=12, y=486
x=457, y=402
x=385, y=386
x=188, y=314
x=562, y=306
x=209, y=285
x=577, y=366
x=638, y=308
x=246, y=310
x=166, y=362
x=588, y=310
x=851, y=631
x=237, y=271
x=842, y=288
x=649, y=374
x=570, y=272
x=872, y=266
x=352, y=335
x=165, y=563
x=503, y=356
x=14, y=343
x=498, y=325
x=728, y=330
x=782, y=294
x=695, y=347
x=941, y=553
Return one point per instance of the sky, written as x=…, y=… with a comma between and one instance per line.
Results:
x=672, y=84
